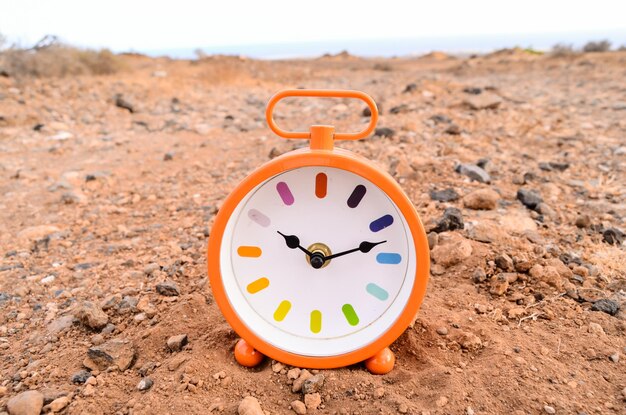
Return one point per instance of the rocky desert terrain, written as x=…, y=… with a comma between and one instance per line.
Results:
x=515, y=161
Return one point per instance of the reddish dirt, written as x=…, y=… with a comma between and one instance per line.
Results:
x=85, y=214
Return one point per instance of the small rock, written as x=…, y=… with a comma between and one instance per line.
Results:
x=294, y=373
x=168, y=289
x=446, y=195
x=442, y=331
x=613, y=236
x=115, y=352
x=469, y=411
x=384, y=132
x=583, y=221
x=549, y=410
x=442, y=401
x=121, y=102
x=479, y=275
x=249, y=406
x=313, y=384
x=80, y=377
x=481, y=199
x=379, y=392
x=606, y=306
x=505, y=263
x=499, y=284
x=151, y=268
x=595, y=328
x=59, y=404
x=480, y=308
x=277, y=367
x=529, y=198
x=485, y=100
x=473, y=172
x=433, y=238
x=452, y=250
x=145, y=384
x=312, y=400
x=92, y=316
x=297, y=384
x=452, y=219
x=176, y=343
x=470, y=342
x=26, y=403
x=453, y=129
x=168, y=156
x=89, y=390
x=298, y=407
x=614, y=357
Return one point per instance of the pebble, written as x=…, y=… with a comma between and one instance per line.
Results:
x=481, y=199
x=168, y=156
x=451, y=250
x=379, y=392
x=145, y=384
x=482, y=101
x=312, y=400
x=294, y=373
x=549, y=410
x=249, y=406
x=499, y=284
x=451, y=220
x=80, y=377
x=384, y=132
x=89, y=390
x=92, y=316
x=583, y=221
x=606, y=306
x=122, y=102
x=433, y=238
x=614, y=357
x=442, y=331
x=470, y=342
x=469, y=411
x=473, y=172
x=595, y=328
x=446, y=195
x=297, y=384
x=613, y=236
x=115, y=352
x=26, y=403
x=529, y=198
x=298, y=407
x=313, y=384
x=168, y=289
x=176, y=343
x=59, y=404
x=504, y=262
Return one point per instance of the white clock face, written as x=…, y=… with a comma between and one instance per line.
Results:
x=317, y=261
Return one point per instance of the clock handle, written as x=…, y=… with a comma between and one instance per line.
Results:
x=323, y=134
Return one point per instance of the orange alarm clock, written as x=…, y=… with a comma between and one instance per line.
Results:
x=318, y=259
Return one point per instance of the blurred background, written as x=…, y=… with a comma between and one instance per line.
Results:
x=287, y=29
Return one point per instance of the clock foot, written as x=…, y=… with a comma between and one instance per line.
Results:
x=381, y=363
x=246, y=355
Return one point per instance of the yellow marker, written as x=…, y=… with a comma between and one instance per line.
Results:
x=258, y=285
x=282, y=310
x=316, y=321
x=249, y=251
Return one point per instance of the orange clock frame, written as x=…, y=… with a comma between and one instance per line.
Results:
x=321, y=154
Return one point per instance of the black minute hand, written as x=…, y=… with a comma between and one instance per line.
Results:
x=364, y=247
x=293, y=242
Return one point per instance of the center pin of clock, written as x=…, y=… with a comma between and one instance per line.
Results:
x=319, y=251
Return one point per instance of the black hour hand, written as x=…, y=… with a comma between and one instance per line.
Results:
x=293, y=242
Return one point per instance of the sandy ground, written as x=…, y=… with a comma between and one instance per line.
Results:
x=526, y=308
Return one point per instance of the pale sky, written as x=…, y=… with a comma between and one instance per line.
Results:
x=144, y=25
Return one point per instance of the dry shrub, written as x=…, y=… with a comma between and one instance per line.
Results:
x=222, y=69
x=562, y=49
x=58, y=61
x=599, y=46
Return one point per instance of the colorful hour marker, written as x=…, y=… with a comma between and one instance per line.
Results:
x=249, y=251
x=381, y=223
x=316, y=321
x=258, y=285
x=285, y=193
x=388, y=258
x=356, y=196
x=282, y=310
x=377, y=291
x=259, y=218
x=350, y=314
x=321, y=183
